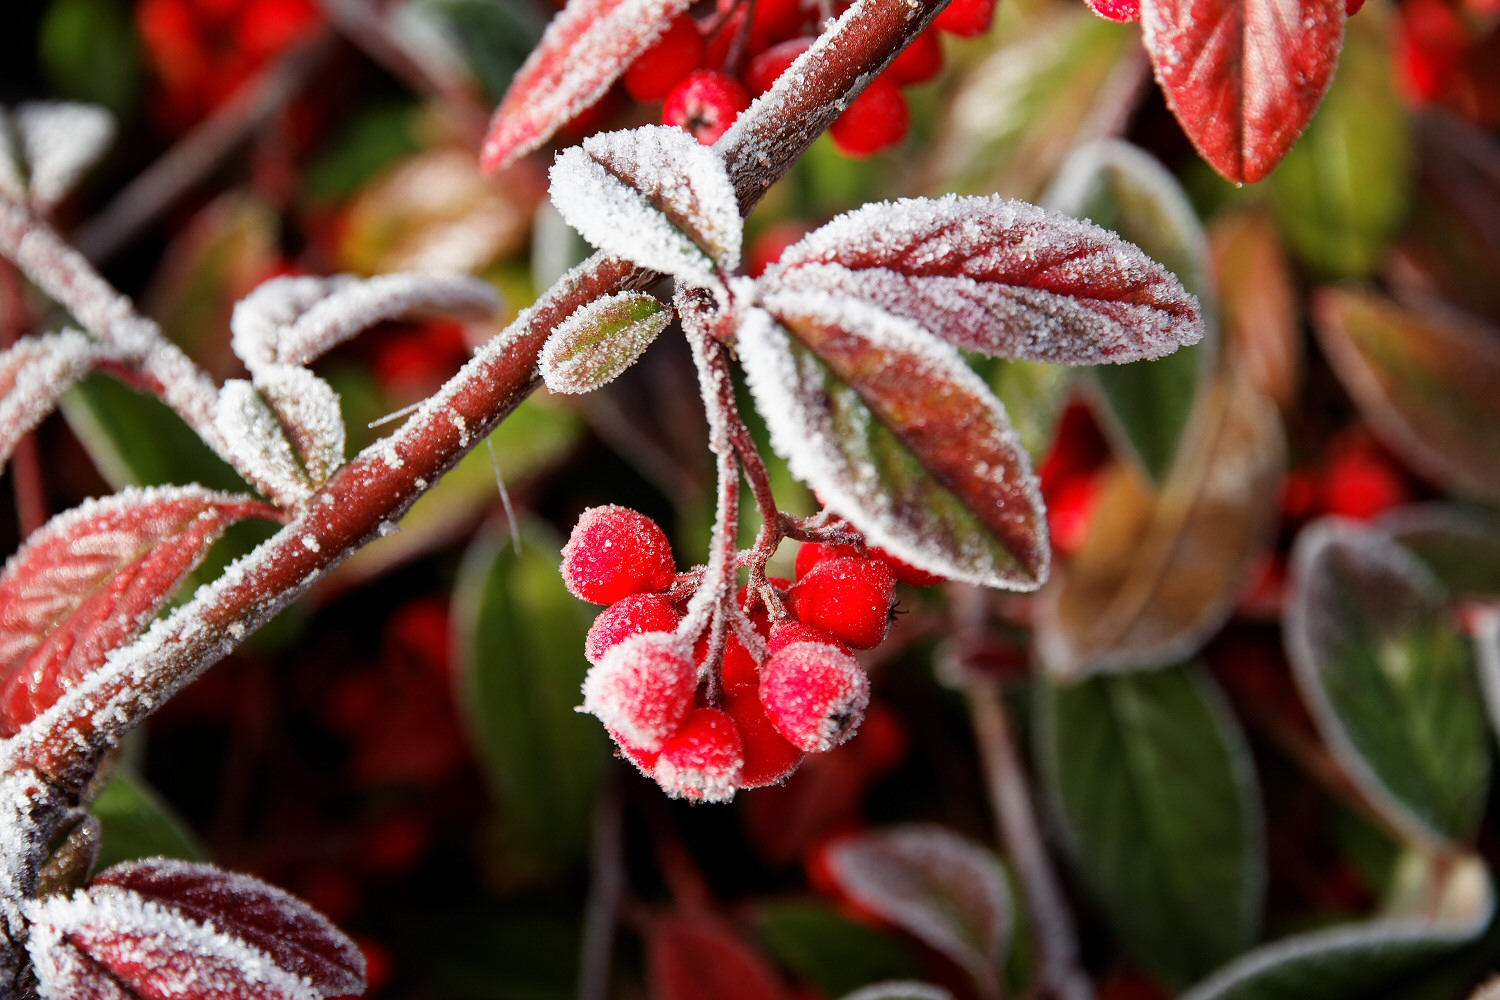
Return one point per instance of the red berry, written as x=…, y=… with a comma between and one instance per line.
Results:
x=783, y=634
x=905, y=572
x=676, y=54
x=812, y=554
x=1124, y=11
x=769, y=758
x=814, y=694
x=1432, y=43
x=768, y=66
x=615, y=552
x=1070, y=512
x=626, y=617
x=642, y=688
x=877, y=120
x=849, y=598
x=739, y=669
x=703, y=762
x=1361, y=486
x=966, y=18
x=767, y=248
x=919, y=62
x=705, y=103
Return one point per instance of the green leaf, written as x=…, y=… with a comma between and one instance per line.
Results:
x=136, y=823
x=1461, y=545
x=1054, y=79
x=1152, y=781
x=1390, y=678
x=493, y=37
x=1344, y=189
x=1120, y=187
x=1424, y=376
x=88, y=50
x=520, y=641
x=1357, y=961
x=895, y=432
x=598, y=341
x=831, y=951
x=1034, y=395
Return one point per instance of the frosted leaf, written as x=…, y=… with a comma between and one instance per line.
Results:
x=34, y=373
x=899, y=990
x=943, y=889
x=585, y=48
x=1001, y=277
x=297, y=320
x=86, y=582
x=310, y=415
x=652, y=196
x=255, y=442
x=894, y=431
x=594, y=345
x=59, y=141
x=166, y=928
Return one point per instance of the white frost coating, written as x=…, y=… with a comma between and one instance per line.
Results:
x=309, y=411
x=947, y=891
x=593, y=346
x=34, y=373
x=788, y=394
x=296, y=320
x=899, y=989
x=636, y=196
x=1000, y=277
x=258, y=446
x=60, y=140
x=1304, y=635
x=149, y=945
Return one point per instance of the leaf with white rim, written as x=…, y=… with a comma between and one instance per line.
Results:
x=258, y=445
x=310, y=416
x=1461, y=545
x=60, y=140
x=34, y=373
x=595, y=344
x=653, y=196
x=1389, y=677
x=999, y=277
x=899, y=990
x=894, y=431
x=943, y=889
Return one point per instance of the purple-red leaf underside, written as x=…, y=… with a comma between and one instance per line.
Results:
x=90, y=579
x=1244, y=77
x=587, y=47
x=999, y=277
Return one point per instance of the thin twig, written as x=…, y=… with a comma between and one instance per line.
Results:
x=1058, y=970
x=606, y=888
x=200, y=152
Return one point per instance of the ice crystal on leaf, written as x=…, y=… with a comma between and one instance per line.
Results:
x=34, y=374
x=309, y=412
x=1000, y=277
x=593, y=346
x=587, y=47
x=258, y=445
x=652, y=196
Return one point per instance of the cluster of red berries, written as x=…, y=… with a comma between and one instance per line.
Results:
x=706, y=76
x=788, y=684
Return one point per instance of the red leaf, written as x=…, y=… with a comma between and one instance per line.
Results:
x=587, y=47
x=88, y=581
x=694, y=958
x=1243, y=76
x=163, y=929
x=1001, y=277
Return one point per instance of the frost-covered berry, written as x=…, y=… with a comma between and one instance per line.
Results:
x=705, y=103
x=642, y=688
x=739, y=668
x=676, y=54
x=848, y=597
x=644, y=760
x=768, y=66
x=703, y=761
x=629, y=616
x=814, y=694
x=1123, y=11
x=877, y=119
x=811, y=554
x=769, y=758
x=918, y=62
x=615, y=552
x=783, y=634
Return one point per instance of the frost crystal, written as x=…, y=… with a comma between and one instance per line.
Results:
x=309, y=410
x=595, y=344
x=34, y=374
x=652, y=196
x=1001, y=277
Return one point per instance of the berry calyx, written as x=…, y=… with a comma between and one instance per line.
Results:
x=633, y=615
x=615, y=552
x=705, y=103
x=642, y=689
x=847, y=597
x=814, y=694
x=703, y=762
x=769, y=758
x=659, y=69
x=877, y=119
